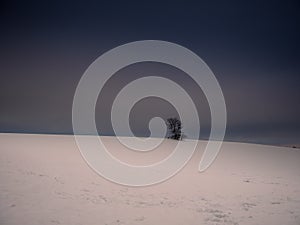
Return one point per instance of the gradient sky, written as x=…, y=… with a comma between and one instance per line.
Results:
x=251, y=46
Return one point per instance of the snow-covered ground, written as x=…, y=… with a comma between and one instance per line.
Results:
x=44, y=180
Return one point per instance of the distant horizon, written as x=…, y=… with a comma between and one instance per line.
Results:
x=290, y=145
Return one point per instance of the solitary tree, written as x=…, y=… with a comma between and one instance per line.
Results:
x=174, y=127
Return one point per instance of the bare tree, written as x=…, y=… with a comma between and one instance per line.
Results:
x=174, y=127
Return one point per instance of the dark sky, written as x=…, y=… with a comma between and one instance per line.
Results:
x=251, y=46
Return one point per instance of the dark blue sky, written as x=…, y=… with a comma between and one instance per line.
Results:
x=252, y=47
